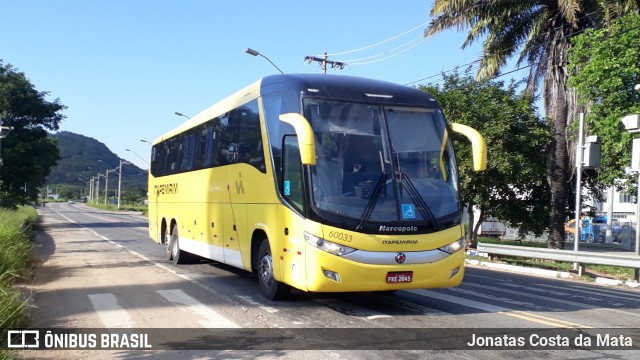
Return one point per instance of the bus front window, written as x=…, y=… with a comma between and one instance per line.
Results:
x=378, y=165
x=424, y=159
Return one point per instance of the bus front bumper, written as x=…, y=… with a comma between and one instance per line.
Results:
x=330, y=273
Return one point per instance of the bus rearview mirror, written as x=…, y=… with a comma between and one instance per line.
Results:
x=304, y=132
x=478, y=145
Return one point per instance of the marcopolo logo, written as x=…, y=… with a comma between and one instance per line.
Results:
x=397, y=228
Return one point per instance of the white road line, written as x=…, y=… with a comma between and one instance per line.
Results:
x=528, y=294
x=532, y=317
x=493, y=297
x=461, y=301
x=615, y=294
x=466, y=274
x=351, y=309
x=208, y=318
x=251, y=301
x=110, y=312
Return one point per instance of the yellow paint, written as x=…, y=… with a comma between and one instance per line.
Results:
x=478, y=145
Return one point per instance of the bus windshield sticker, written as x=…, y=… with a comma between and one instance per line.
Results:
x=408, y=211
x=287, y=188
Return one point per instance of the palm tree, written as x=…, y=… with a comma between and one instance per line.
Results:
x=541, y=31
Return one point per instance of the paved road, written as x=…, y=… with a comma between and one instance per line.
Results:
x=100, y=270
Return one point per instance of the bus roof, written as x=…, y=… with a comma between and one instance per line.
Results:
x=347, y=87
x=356, y=89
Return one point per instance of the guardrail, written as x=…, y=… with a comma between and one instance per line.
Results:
x=579, y=257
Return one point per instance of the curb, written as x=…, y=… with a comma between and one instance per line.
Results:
x=521, y=269
x=548, y=273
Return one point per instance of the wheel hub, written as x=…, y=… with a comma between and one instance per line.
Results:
x=266, y=270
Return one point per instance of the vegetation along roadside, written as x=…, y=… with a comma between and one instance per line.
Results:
x=17, y=229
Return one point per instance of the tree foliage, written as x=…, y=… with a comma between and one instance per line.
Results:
x=513, y=188
x=540, y=32
x=606, y=67
x=27, y=152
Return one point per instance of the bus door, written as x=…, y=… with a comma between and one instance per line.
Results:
x=291, y=225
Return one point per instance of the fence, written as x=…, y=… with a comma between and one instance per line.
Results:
x=580, y=257
x=623, y=236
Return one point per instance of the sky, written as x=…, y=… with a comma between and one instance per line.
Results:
x=123, y=67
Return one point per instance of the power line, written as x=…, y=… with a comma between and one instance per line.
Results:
x=386, y=52
x=376, y=44
x=324, y=61
x=392, y=55
x=542, y=60
x=509, y=48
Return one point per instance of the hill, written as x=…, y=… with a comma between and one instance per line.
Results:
x=78, y=162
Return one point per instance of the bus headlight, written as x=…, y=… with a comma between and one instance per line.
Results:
x=453, y=247
x=328, y=246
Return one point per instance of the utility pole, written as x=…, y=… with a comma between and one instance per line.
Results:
x=120, y=181
x=4, y=131
x=324, y=61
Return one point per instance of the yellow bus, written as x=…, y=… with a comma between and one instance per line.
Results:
x=323, y=183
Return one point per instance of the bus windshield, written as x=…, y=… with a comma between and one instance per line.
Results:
x=380, y=164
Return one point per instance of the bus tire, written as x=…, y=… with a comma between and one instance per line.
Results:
x=271, y=288
x=178, y=256
x=167, y=244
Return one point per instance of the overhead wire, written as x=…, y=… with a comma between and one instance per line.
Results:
x=531, y=64
x=472, y=63
x=408, y=45
x=378, y=43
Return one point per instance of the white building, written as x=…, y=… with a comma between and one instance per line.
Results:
x=624, y=206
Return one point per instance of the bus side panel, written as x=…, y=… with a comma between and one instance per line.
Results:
x=214, y=231
x=262, y=217
x=235, y=233
x=154, y=220
x=189, y=223
x=291, y=250
x=163, y=203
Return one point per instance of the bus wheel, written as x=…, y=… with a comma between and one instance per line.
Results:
x=271, y=288
x=167, y=244
x=178, y=256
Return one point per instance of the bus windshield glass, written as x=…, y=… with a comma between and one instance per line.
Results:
x=380, y=164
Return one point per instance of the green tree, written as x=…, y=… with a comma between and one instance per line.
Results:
x=606, y=67
x=28, y=154
x=513, y=188
x=131, y=197
x=541, y=31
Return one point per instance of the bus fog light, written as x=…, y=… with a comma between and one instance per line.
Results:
x=454, y=272
x=332, y=275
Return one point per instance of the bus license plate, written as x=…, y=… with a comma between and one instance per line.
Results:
x=399, y=277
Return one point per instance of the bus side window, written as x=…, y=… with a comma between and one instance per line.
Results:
x=251, y=151
x=187, y=146
x=292, y=172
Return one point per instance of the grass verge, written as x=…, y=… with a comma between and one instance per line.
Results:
x=111, y=207
x=16, y=231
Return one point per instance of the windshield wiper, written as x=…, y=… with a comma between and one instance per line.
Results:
x=366, y=214
x=423, y=207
